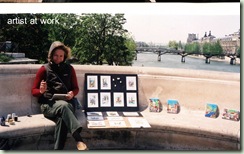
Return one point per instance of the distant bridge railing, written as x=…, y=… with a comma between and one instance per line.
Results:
x=164, y=50
x=158, y=50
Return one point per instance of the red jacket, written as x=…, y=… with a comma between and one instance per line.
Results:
x=41, y=75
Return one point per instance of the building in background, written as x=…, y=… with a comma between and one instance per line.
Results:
x=230, y=43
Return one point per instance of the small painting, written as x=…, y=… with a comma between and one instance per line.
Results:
x=116, y=123
x=173, y=106
x=112, y=113
x=211, y=110
x=91, y=82
x=131, y=100
x=92, y=100
x=231, y=114
x=105, y=82
x=130, y=83
x=105, y=99
x=155, y=105
x=118, y=99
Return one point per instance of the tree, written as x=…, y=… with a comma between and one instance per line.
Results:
x=190, y=48
x=211, y=49
x=173, y=44
x=103, y=39
x=238, y=52
x=93, y=38
x=31, y=39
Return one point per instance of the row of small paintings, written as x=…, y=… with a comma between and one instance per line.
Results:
x=211, y=110
x=135, y=122
x=155, y=105
x=105, y=99
x=106, y=81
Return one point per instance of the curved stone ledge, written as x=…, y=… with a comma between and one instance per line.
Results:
x=187, y=130
x=153, y=71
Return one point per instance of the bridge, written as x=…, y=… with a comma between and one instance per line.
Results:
x=164, y=50
x=160, y=51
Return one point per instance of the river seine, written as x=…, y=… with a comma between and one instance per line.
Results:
x=174, y=61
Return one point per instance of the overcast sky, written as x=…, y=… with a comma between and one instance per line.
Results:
x=175, y=21
x=163, y=28
x=152, y=22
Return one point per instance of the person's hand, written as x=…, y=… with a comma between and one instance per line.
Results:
x=70, y=95
x=43, y=86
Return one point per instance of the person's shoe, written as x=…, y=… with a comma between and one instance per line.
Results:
x=81, y=146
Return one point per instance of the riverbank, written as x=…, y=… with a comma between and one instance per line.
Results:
x=225, y=59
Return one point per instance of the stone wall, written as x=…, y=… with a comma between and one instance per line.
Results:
x=187, y=130
x=192, y=88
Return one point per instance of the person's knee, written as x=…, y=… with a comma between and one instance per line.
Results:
x=65, y=105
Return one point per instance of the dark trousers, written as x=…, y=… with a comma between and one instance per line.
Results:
x=62, y=113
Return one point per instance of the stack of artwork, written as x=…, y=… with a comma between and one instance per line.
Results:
x=113, y=119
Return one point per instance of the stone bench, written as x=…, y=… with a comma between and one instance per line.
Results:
x=187, y=130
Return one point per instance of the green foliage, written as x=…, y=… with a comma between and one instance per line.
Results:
x=5, y=58
x=238, y=52
x=93, y=38
x=102, y=40
x=173, y=44
x=212, y=49
x=193, y=48
x=31, y=38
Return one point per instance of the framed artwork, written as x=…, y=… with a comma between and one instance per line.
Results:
x=105, y=99
x=118, y=99
x=131, y=99
x=111, y=92
x=92, y=82
x=130, y=83
x=92, y=100
x=105, y=82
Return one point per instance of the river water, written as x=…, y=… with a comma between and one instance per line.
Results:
x=174, y=61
